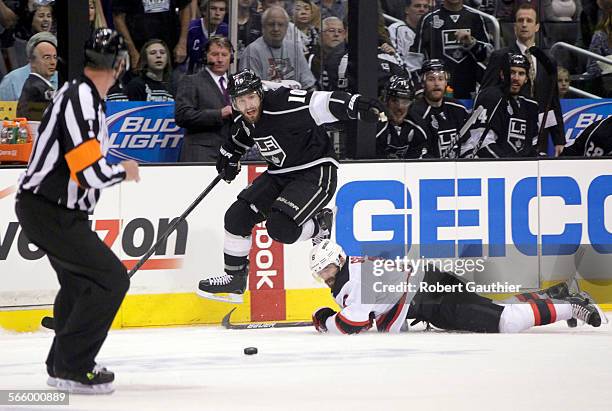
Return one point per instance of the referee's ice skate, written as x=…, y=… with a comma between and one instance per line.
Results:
x=97, y=381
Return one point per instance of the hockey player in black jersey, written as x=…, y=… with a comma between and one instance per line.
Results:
x=388, y=300
x=508, y=125
x=459, y=37
x=443, y=116
x=301, y=177
x=401, y=136
x=594, y=141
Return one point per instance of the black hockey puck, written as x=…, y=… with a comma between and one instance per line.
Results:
x=572, y=323
x=250, y=350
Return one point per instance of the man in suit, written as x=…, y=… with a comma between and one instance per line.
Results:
x=203, y=106
x=525, y=28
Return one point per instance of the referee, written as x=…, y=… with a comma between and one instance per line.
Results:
x=60, y=187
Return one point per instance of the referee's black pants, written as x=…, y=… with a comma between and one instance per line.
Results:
x=93, y=281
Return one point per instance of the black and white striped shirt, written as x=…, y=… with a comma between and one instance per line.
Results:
x=68, y=164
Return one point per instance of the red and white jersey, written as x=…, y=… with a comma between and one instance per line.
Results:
x=365, y=299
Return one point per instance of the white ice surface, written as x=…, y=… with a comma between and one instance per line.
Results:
x=204, y=368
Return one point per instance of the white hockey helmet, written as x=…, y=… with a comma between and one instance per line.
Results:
x=325, y=253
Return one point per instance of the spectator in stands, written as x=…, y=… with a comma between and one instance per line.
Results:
x=139, y=21
x=293, y=33
x=273, y=57
x=249, y=24
x=40, y=19
x=560, y=10
x=335, y=75
x=12, y=84
x=9, y=18
x=307, y=19
x=38, y=91
x=402, y=34
x=333, y=49
x=602, y=44
x=540, y=84
x=332, y=8
x=589, y=19
x=96, y=15
x=155, y=73
x=210, y=24
x=564, y=83
x=442, y=116
x=203, y=106
x=459, y=37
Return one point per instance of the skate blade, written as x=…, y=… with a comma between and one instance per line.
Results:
x=223, y=297
x=602, y=314
x=75, y=387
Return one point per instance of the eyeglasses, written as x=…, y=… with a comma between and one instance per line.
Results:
x=48, y=57
x=334, y=31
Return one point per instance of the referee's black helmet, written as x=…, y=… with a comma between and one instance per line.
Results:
x=105, y=49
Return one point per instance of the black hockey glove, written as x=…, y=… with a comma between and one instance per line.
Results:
x=320, y=316
x=228, y=162
x=370, y=110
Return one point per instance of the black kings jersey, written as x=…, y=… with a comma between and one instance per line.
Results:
x=407, y=140
x=513, y=125
x=594, y=141
x=289, y=133
x=435, y=37
x=442, y=124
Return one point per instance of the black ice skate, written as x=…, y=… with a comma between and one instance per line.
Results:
x=324, y=220
x=98, y=381
x=561, y=291
x=585, y=310
x=558, y=291
x=229, y=287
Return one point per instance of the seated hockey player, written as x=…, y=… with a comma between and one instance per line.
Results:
x=508, y=126
x=442, y=116
x=594, y=141
x=401, y=136
x=458, y=310
x=291, y=195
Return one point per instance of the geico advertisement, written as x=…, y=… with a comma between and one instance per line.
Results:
x=493, y=209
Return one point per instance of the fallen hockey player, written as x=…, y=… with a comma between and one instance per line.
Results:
x=459, y=310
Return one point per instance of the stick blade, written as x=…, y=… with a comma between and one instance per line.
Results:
x=48, y=322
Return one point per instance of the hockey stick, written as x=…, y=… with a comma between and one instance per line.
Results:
x=483, y=137
x=550, y=68
x=464, y=130
x=48, y=322
x=254, y=326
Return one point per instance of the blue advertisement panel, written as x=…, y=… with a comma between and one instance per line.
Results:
x=578, y=114
x=143, y=131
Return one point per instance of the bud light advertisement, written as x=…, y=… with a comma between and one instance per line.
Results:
x=143, y=131
x=578, y=114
